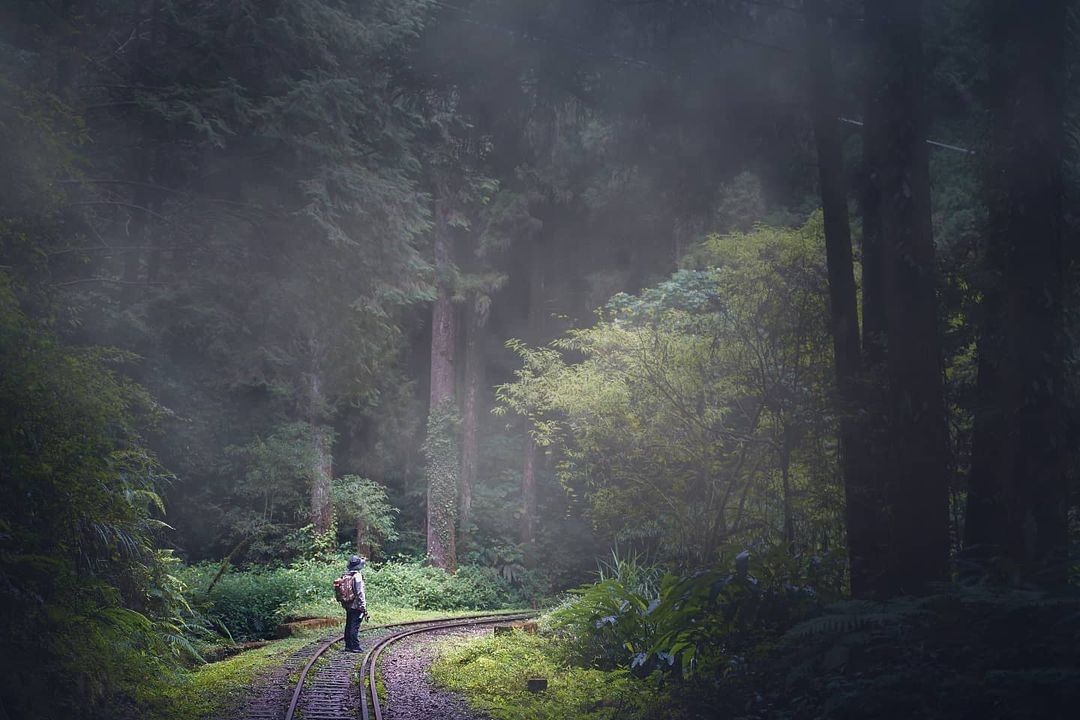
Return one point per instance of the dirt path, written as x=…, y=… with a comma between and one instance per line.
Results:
x=410, y=693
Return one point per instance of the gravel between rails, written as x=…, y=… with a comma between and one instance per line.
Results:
x=272, y=689
x=410, y=692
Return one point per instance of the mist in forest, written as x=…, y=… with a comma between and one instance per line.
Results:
x=736, y=337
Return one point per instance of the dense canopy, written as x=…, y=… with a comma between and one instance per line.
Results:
x=493, y=291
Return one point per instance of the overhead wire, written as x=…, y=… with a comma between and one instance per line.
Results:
x=935, y=143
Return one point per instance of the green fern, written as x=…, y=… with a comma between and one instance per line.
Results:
x=847, y=617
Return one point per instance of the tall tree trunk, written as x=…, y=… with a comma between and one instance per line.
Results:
x=476, y=319
x=874, y=328
x=528, y=493
x=322, y=511
x=917, y=485
x=363, y=542
x=863, y=503
x=1017, y=496
x=536, y=335
x=873, y=385
x=145, y=156
x=322, y=455
x=785, y=487
x=441, y=446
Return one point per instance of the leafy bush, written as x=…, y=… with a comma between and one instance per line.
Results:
x=666, y=411
x=251, y=604
x=965, y=652
x=412, y=584
x=88, y=604
x=362, y=503
x=608, y=623
x=704, y=622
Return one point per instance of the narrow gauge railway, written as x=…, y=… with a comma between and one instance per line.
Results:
x=326, y=694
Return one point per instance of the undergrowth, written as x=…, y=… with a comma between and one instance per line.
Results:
x=251, y=604
x=492, y=673
x=209, y=691
x=734, y=645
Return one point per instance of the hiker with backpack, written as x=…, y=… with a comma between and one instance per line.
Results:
x=349, y=591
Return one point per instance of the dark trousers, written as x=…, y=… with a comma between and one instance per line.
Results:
x=352, y=628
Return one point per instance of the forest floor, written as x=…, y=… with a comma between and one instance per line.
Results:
x=492, y=673
x=225, y=689
x=257, y=684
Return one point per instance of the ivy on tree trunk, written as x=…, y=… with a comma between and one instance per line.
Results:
x=441, y=446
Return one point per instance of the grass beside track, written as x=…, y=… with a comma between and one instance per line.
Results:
x=208, y=692
x=491, y=673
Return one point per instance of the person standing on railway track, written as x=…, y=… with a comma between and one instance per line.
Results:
x=349, y=590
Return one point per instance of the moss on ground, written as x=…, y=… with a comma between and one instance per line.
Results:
x=210, y=690
x=492, y=672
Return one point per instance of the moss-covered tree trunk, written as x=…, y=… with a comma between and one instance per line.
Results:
x=476, y=319
x=322, y=512
x=441, y=447
x=322, y=460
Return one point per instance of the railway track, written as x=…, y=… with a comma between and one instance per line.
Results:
x=324, y=689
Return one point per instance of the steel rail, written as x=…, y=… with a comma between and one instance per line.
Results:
x=435, y=623
x=369, y=666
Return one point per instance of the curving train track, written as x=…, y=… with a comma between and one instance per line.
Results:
x=324, y=689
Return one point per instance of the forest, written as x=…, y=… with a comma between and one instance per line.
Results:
x=730, y=349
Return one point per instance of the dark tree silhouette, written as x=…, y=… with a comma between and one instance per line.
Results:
x=1017, y=497
x=917, y=469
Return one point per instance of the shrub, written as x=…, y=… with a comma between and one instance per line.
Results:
x=969, y=650
x=608, y=622
x=707, y=621
x=479, y=588
x=250, y=604
x=88, y=604
x=414, y=585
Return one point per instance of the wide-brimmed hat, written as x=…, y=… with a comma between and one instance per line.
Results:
x=356, y=562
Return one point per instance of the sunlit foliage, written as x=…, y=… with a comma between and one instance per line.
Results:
x=697, y=413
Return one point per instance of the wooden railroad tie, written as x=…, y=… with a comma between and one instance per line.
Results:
x=299, y=625
x=528, y=626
